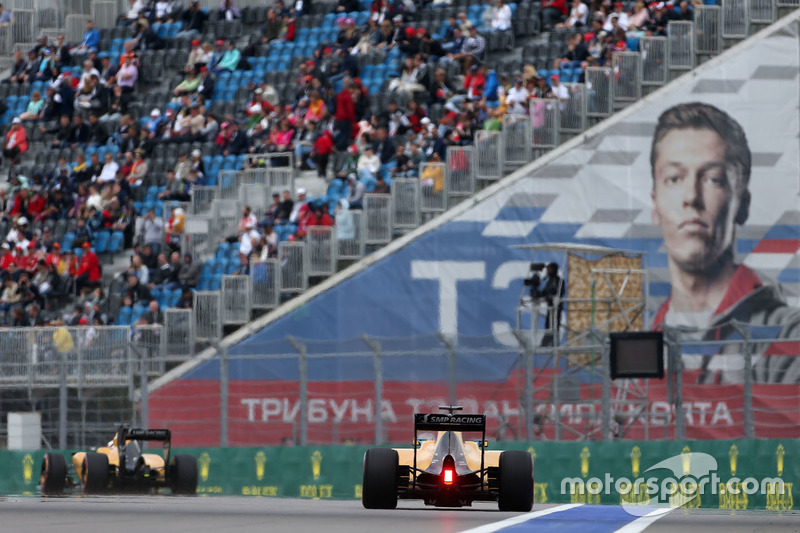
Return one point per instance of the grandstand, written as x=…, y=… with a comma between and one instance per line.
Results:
x=230, y=289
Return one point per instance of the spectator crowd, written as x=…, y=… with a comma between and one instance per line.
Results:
x=101, y=151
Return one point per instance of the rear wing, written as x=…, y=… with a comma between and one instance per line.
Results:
x=146, y=434
x=157, y=435
x=449, y=422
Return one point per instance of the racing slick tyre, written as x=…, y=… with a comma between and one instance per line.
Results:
x=94, y=473
x=53, y=476
x=516, y=481
x=379, y=489
x=184, y=474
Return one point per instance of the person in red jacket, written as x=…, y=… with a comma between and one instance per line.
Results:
x=7, y=258
x=16, y=142
x=553, y=12
x=345, y=115
x=321, y=152
x=88, y=274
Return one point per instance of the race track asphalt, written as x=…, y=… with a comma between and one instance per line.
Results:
x=150, y=514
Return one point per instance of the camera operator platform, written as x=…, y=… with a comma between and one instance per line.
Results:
x=586, y=293
x=544, y=292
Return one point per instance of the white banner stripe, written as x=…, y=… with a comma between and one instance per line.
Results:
x=640, y=524
x=514, y=520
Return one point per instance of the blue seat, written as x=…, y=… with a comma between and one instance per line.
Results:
x=116, y=242
x=202, y=285
x=233, y=266
x=156, y=293
x=101, y=241
x=214, y=284
x=137, y=313
x=233, y=254
x=208, y=269
x=219, y=267
x=124, y=316
x=222, y=250
x=175, y=297
x=66, y=240
x=163, y=301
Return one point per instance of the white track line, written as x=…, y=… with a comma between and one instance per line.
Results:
x=514, y=520
x=640, y=524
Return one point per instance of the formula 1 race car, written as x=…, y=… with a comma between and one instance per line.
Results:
x=448, y=471
x=121, y=466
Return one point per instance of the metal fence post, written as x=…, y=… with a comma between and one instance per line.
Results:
x=375, y=346
x=303, y=368
x=451, y=368
x=223, y=392
x=143, y=393
x=528, y=347
x=744, y=331
x=62, y=404
x=605, y=402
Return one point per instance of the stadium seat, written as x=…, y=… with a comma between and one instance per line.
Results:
x=116, y=242
x=175, y=297
x=233, y=266
x=223, y=249
x=124, y=316
x=219, y=267
x=214, y=284
x=202, y=285
x=100, y=242
x=208, y=269
x=66, y=241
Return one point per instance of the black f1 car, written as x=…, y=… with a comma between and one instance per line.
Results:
x=448, y=471
x=121, y=466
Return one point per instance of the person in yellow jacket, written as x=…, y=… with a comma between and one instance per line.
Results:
x=433, y=175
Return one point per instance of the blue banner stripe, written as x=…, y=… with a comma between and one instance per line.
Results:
x=583, y=519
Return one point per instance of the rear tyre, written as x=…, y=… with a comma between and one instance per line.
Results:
x=516, y=481
x=184, y=474
x=53, y=476
x=379, y=488
x=94, y=473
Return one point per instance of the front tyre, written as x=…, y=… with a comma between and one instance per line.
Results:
x=94, y=473
x=516, y=481
x=184, y=474
x=379, y=488
x=53, y=476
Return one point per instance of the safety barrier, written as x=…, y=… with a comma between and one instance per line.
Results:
x=225, y=214
x=196, y=234
x=22, y=25
x=237, y=301
x=573, y=116
x=488, y=155
x=351, y=232
x=708, y=30
x=460, y=172
x=83, y=7
x=105, y=14
x=47, y=14
x=762, y=11
x=147, y=342
x=75, y=26
x=294, y=268
x=680, y=36
x=406, y=202
x=280, y=179
x=735, y=19
x=257, y=197
x=627, y=84
x=265, y=283
x=202, y=196
x=271, y=160
x=544, y=124
x=321, y=250
x=86, y=355
x=599, y=102
x=378, y=210
x=228, y=184
x=516, y=140
x=178, y=333
x=207, y=315
x=335, y=472
x=433, y=188
x=653, y=51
